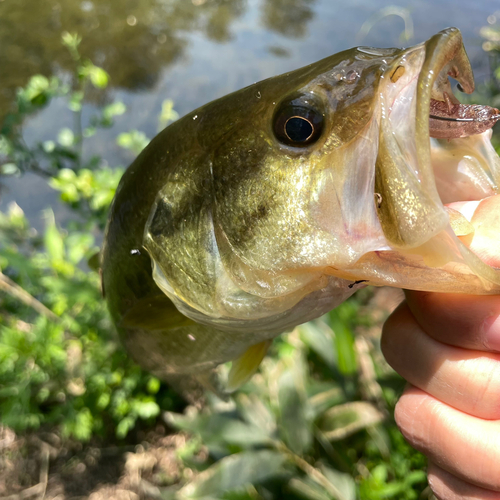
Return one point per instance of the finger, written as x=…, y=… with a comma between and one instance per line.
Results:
x=471, y=322
x=485, y=217
x=473, y=454
x=446, y=486
x=465, y=379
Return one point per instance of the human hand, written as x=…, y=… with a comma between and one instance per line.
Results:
x=448, y=348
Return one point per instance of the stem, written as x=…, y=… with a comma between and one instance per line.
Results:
x=79, y=132
x=315, y=474
x=13, y=289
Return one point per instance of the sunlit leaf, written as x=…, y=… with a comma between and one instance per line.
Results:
x=295, y=426
x=134, y=140
x=319, y=337
x=344, y=343
x=153, y=385
x=66, y=137
x=75, y=101
x=343, y=482
x=147, y=409
x=124, y=427
x=53, y=239
x=114, y=109
x=220, y=428
x=98, y=77
x=233, y=472
x=346, y=419
x=308, y=489
x=168, y=113
x=256, y=413
x=9, y=169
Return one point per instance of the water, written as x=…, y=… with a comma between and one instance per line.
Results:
x=193, y=51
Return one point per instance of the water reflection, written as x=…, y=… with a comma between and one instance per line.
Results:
x=133, y=40
x=288, y=17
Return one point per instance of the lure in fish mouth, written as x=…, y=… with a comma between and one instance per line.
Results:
x=270, y=206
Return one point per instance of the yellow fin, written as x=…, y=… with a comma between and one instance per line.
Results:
x=460, y=225
x=246, y=365
x=154, y=313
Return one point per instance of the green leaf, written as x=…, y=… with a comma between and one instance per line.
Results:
x=53, y=239
x=153, y=385
x=308, y=489
x=125, y=425
x=98, y=77
x=343, y=420
x=66, y=137
x=344, y=342
x=134, y=140
x=256, y=413
x=343, y=482
x=234, y=472
x=220, y=428
x=319, y=337
x=147, y=409
x=323, y=400
x=76, y=101
x=295, y=426
x=89, y=132
x=82, y=428
x=78, y=244
x=9, y=169
x=114, y=109
x=103, y=400
x=36, y=89
x=168, y=113
x=49, y=146
x=71, y=39
x=5, y=145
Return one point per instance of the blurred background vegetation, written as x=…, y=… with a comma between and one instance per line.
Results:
x=77, y=417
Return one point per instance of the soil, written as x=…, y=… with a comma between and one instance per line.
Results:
x=42, y=466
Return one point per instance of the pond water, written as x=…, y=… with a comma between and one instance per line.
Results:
x=193, y=51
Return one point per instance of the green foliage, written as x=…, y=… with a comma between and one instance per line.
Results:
x=64, y=368
x=134, y=140
x=309, y=412
x=61, y=363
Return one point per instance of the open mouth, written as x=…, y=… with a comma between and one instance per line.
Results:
x=458, y=163
x=448, y=119
x=464, y=164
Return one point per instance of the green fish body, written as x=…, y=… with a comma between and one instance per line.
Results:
x=268, y=207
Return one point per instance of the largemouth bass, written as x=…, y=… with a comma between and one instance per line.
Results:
x=269, y=207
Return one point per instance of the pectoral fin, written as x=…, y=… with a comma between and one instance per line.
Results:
x=246, y=365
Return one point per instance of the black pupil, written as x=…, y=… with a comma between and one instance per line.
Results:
x=298, y=129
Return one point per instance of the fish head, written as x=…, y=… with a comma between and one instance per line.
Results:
x=307, y=184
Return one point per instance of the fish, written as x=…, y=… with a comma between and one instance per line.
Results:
x=269, y=207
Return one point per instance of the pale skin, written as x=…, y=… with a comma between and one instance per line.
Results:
x=447, y=347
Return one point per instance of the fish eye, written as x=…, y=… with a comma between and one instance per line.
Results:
x=298, y=122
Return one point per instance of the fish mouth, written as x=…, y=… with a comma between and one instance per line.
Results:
x=439, y=114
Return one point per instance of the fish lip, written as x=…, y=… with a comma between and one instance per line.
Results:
x=444, y=56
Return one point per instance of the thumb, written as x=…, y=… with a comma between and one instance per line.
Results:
x=484, y=216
